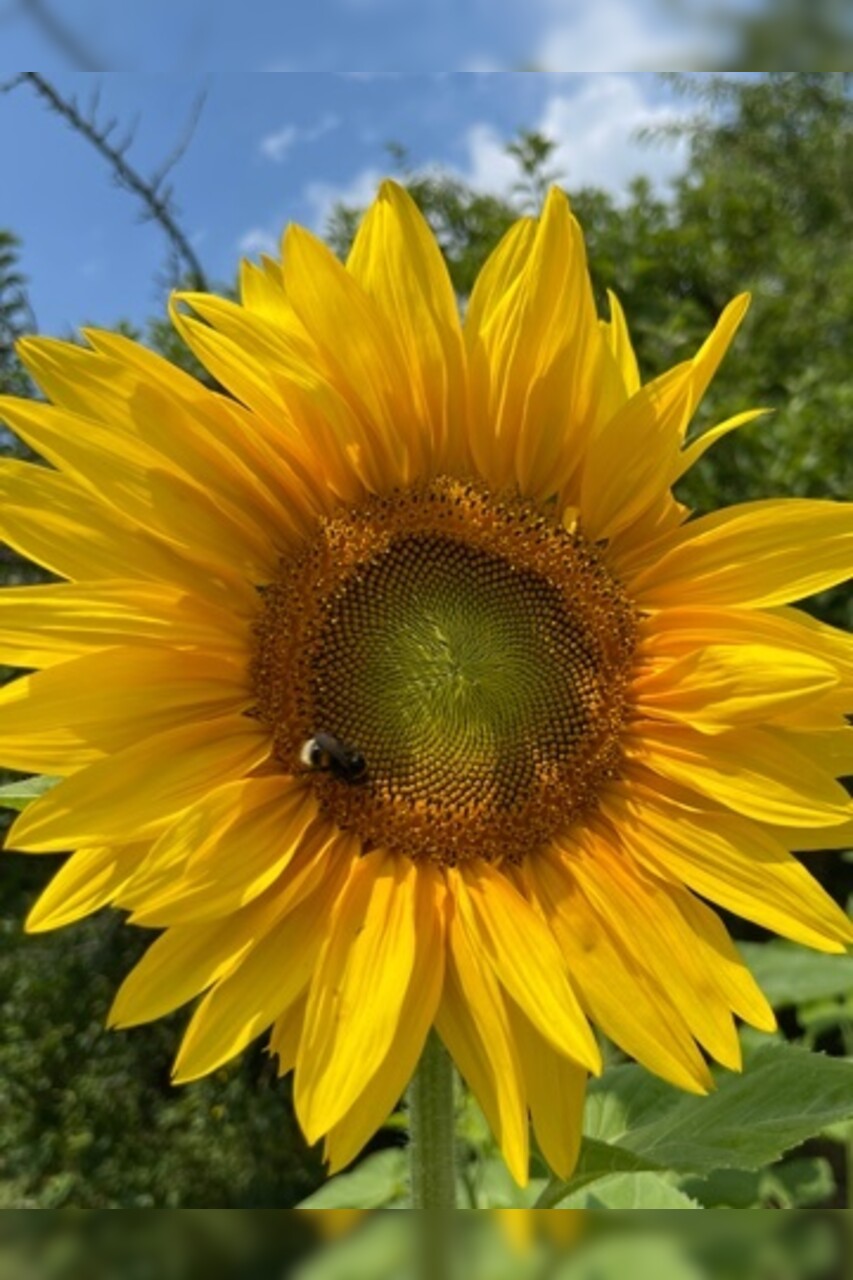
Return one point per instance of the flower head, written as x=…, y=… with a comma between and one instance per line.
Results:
x=397, y=689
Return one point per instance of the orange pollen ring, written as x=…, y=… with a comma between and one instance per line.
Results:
x=472, y=652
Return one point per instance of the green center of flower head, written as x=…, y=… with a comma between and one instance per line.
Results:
x=450, y=670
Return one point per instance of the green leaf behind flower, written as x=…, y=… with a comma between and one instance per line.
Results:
x=790, y=975
x=17, y=795
x=785, y=1096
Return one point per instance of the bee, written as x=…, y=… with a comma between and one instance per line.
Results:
x=326, y=754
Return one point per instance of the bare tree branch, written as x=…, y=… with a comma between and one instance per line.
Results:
x=65, y=40
x=180, y=148
x=157, y=201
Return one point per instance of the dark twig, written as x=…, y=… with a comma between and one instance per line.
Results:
x=180, y=148
x=156, y=199
x=65, y=40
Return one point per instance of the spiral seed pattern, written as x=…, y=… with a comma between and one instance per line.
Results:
x=473, y=650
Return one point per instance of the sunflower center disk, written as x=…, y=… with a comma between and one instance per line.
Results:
x=475, y=654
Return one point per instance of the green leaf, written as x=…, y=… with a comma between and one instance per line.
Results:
x=379, y=1181
x=630, y=1253
x=791, y=975
x=822, y=1016
x=727, y=1189
x=494, y=1187
x=380, y=1247
x=794, y=1184
x=785, y=1096
x=631, y=1191
x=17, y=795
x=600, y=1160
x=798, y=1184
x=842, y=1132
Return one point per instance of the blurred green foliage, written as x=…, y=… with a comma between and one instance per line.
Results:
x=88, y=1118
x=636, y=1245
x=16, y=318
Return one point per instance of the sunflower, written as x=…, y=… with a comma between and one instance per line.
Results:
x=397, y=690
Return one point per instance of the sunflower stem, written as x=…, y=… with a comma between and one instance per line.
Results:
x=431, y=1129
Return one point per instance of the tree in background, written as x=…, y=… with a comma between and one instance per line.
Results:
x=16, y=319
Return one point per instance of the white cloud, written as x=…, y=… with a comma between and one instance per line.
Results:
x=594, y=132
x=489, y=167
x=258, y=240
x=629, y=35
x=321, y=197
x=276, y=146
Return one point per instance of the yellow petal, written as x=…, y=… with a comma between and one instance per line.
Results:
x=638, y=907
x=700, y=446
x=683, y=630
x=187, y=960
x=191, y=840
x=396, y=260
x=147, y=400
x=88, y=881
x=723, y=961
x=242, y=839
x=267, y=980
x=309, y=422
x=556, y=1089
x=244, y=375
x=473, y=1022
x=362, y=351
x=754, y=555
x=721, y=685
x=213, y=435
x=646, y=434
x=812, y=839
x=285, y=1035
x=541, y=373
x=261, y=291
x=756, y=772
x=359, y=991
x=525, y=958
x=824, y=639
x=709, y=357
x=40, y=626
x=619, y=340
x=140, y=483
x=71, y=715
x=56, y=522
x=133, y=793
x=735, y=863
x=502, y=268
x=614, y=985
x=298, y=429
x=380, y=1096
x=76, y=378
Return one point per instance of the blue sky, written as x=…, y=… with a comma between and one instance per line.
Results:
x=278, y=147
x=376, y=35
